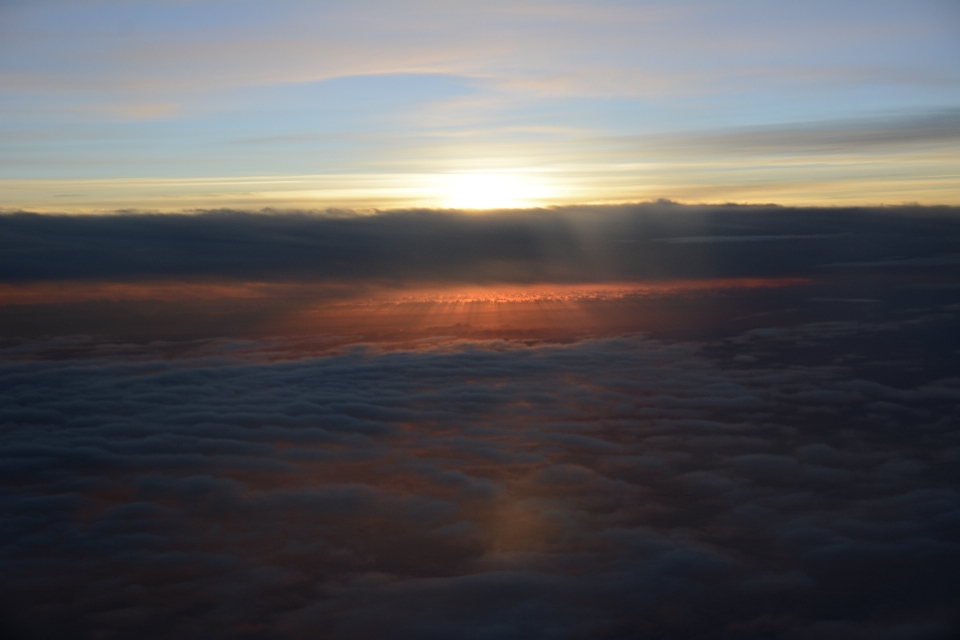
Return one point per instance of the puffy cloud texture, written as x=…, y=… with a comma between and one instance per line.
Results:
x=606, y=488
x=648, y=421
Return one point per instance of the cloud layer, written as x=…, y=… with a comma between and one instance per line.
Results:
x=574, y=244
x=607, y=488
x=645, y=421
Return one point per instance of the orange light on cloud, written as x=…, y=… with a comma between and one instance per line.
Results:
x=344, y=312
x=501, y=294
x=538, y=311
x=65, y=292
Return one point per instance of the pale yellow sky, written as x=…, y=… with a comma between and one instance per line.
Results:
x=926, y=176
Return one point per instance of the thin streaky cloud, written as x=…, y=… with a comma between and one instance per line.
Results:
x=757, y=238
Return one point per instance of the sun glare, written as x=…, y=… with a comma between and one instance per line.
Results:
x=492, y=190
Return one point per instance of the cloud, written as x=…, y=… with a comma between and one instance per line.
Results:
x=751, y=238
x=931, y=261
x=573, y=244
x=607, y=49
x=454, y=428
x=936, y=128
x=602, y=488
x=406, y=275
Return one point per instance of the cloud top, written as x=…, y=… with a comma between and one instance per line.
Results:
x=566, y=245
x=486, y=490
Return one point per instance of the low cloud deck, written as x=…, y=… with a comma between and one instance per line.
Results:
x=606, y=423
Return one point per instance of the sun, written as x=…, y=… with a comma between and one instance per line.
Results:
x=492, y=190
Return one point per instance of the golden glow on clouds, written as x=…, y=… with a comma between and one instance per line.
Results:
x=350, y=295
x=539, y=293
x=920, y=178
x=689, y=170
x=537, y=311
x=461, y=190
x=348, y=312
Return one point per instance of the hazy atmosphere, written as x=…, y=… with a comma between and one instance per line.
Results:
x=530, y=320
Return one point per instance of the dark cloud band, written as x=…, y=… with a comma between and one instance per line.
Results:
x=580, y=244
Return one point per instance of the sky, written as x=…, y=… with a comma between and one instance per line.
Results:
x=506, y=321
x=184, y=105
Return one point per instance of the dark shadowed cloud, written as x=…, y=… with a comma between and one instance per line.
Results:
x=577, y=244
x=558, y=273
x=778, y=483
x=542, y=424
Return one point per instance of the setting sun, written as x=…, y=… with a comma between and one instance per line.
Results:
x=493, y=190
